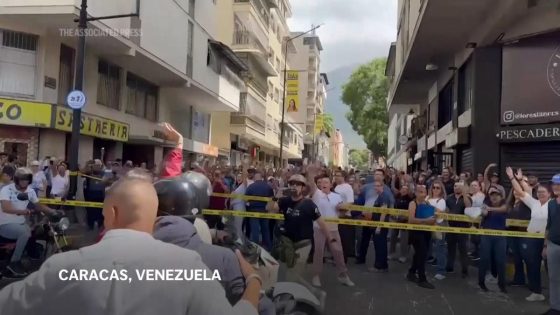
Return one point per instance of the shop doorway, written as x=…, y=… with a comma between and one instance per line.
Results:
x=18, y=150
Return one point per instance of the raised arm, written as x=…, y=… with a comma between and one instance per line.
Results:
x=514, y=181
x=486, y=179
x=174, y=159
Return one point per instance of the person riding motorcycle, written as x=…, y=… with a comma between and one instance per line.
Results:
x=180, y=199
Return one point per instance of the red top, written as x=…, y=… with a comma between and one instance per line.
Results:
x=172, y=163
x=171, y=167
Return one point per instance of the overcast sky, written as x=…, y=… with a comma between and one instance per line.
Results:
x=355, y=31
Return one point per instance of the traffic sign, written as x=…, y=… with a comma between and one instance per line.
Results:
x=76, y=99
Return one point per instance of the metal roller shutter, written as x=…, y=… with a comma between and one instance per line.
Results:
x=466, y=162
x=541, y=158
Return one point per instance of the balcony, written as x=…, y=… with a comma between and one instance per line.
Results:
x=261, y=10
x=248, y=47
x=252, y=114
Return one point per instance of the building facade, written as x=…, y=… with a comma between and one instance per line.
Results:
x=488, y=92
x=257, y=31
x=133, y=78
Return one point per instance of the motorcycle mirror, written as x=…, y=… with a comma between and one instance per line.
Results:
x=23, y=196
x=64, y=224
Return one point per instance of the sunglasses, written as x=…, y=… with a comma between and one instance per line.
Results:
x=295, y=184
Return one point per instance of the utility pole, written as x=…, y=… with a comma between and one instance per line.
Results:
x=282, y=123
x=79, y=85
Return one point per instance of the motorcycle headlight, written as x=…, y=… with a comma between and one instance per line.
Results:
x=64, y=224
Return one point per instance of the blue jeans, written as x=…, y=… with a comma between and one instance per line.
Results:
x=493, y=248
x=531, y=252
x=18, y=232
x=440, y=252
x=380, y=245
x=514, y=244
x=260, y=227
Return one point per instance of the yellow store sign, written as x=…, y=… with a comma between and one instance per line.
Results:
x=24, y=113
x=92, y=125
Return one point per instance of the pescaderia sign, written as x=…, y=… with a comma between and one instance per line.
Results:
x=529, y=133
x=91, y=125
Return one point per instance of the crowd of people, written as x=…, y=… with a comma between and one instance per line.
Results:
x=307, y=195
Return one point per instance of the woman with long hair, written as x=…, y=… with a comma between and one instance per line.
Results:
x=420, y=240
x=436, y=198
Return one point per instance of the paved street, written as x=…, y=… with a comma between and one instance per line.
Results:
x=390, y=293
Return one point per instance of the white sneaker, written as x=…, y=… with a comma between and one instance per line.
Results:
x=316, y=281
x=534, y=297
x=346, y=281
x=439, y=277
x=491, y=279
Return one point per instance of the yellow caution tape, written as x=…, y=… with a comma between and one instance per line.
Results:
x=387, y=225
x=242, y=197
x=244, y=214
x=391, y=225
x=389, y=211
x=87, y=204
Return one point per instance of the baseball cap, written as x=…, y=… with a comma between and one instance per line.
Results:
x=555, y=179
x=297, y=178
x=494, y=190
x=35, y=163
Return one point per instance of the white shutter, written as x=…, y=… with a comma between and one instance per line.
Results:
x=18, y=61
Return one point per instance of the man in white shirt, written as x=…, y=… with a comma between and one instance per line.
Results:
x=127, y=248
x=328, y=203
x=39, y=178
x=347, y=232
x=60, y=182
x=14, y=201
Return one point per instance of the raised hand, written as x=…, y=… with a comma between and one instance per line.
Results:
x=171, y=134
x=519, y=175
x=509, y=172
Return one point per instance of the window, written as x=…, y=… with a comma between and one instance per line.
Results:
x=200, y=126
x=269, y=123
x=276, y=95
x=65, y=73
x=212, y=60
x=141, y=97
x=18, y=61
x=278, y=68
x=445, y=106
x=191, y=7
x=270, y=90
x=190, y=48
x=108, y=85
x=465, y=89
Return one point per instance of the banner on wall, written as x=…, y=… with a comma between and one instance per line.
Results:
x=292, y=92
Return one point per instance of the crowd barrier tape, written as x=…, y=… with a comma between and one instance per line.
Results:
x=389, y=211
x=366, y=223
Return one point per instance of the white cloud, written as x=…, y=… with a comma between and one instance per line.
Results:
x=355, y=31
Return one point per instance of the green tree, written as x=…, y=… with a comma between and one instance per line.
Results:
x=358, y=158
x=366, y=95
x=328, y=123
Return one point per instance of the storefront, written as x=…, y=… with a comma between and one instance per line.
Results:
x=20, y=124
x=529, y=134
x=35, y=130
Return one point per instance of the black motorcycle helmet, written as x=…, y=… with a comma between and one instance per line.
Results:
x=23, y=178
x=181, y=194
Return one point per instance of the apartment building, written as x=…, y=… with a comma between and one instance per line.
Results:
x=307, y=61
x=257, y=32
x=487, y=92
x=163, y=65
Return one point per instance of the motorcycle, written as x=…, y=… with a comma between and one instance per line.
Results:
x=289, y=298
